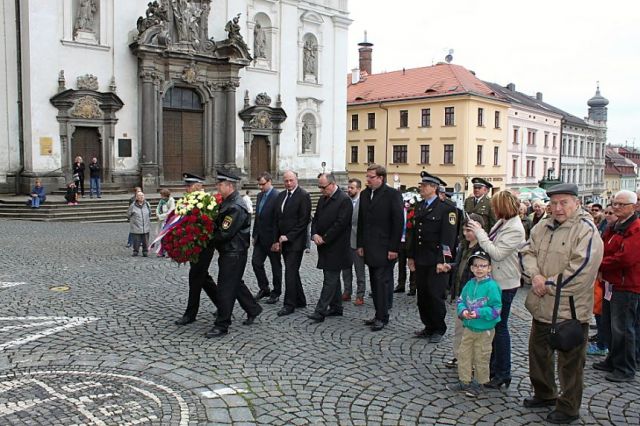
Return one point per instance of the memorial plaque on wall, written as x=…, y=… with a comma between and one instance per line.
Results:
x=46, y=146
x=124, y=147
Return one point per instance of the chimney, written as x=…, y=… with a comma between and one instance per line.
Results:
x=539, y=96
x=365, y=55
x=511, y=86
x=355, y=76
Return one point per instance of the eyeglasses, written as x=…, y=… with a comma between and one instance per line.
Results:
x=614, y=205
x=262, y=183
x=608, y=212
x=372, y=176
x=482, y=266
x=323, y=187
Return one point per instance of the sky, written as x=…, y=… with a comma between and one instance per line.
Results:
x=560, y=48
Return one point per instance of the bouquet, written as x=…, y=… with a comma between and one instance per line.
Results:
x=411, y=201
x=189, y=227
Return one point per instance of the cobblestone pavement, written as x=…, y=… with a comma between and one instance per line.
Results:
x=106, y=351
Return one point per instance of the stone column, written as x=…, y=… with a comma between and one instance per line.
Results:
x=219, y=106
x=230, y=126
x=149, y=161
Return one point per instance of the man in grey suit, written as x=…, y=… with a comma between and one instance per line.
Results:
x=353, y=190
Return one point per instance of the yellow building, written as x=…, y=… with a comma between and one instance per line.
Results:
x=441, y=119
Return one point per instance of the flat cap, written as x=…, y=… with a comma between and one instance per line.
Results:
x=429, y=178
x=227, y=176
x=190, y=179
x=563, y=188
x=476, y=181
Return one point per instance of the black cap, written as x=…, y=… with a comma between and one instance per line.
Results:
x=226, y=176
x=428, y=178
x=563, y=188
x=190, y=179
x=480, y=254
x=481, y=182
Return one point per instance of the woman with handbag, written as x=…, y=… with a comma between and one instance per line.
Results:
x=502, y=243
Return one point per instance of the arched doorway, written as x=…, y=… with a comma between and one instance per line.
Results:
x=260, y=160
x=85, y=143
x=183, y=147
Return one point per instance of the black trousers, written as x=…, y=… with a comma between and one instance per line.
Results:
x=331, y=294
x=199, y=279
x=260, y=254
x=232, y=287
x=432, y=292
x=293, y=292
x=402, y=270
x=382, y=289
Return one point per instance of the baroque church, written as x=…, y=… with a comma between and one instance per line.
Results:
x=155, y=89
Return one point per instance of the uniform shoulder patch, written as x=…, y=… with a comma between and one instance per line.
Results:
x=226, y=222
x=452, y=218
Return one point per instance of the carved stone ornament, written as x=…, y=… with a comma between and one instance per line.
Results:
x=261, y=121
x=190, y=74
x=263, y=99
x=88, y=82
x=86, y=107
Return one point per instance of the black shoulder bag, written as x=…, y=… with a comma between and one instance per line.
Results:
x=568, y=334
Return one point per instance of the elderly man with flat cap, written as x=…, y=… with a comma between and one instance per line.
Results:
x=567, y=244
x=199, y=278
x=231, y=237
x=434, y=235
x=480, y=203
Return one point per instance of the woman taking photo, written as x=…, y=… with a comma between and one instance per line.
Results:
x=502, y=244
x=78, y=174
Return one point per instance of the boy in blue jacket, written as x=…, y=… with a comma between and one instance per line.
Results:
x=479, y=308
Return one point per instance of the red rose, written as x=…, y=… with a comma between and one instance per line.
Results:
x=197, y=250
x=218, y=198
x=195, y=210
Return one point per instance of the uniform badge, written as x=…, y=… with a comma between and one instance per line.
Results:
x=226, y=222
x=452, y=218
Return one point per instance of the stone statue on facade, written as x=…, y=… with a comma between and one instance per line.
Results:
x=310, y=58
x=307, y=137
x=154, y=15
x=85, y=17
x=259, y=42
x=233, y=29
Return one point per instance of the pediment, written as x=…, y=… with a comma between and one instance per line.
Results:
x=312, y=17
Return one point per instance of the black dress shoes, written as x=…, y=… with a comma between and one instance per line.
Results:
x=560, y=418
x=316, y=317
x=262, y=293
x=422, y=334
x=333, y=313
x=272, y=299
x=285, y=311
x=533, y=402
x=398, y=289
x=377, y=325
x=184, y=321
x=411, y=292
x=251, y=318
x=215, y=332
x=373, y=320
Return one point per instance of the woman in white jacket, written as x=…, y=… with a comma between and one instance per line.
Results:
x=502, y=244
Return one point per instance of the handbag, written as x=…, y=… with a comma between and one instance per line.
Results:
x=568, y=334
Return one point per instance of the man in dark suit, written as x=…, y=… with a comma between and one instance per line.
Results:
x=264, y=234
x=433, y=236
x=293, y=212
x=380, y=222
x=330, y=231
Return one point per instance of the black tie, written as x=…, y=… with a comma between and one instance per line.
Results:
x=286, y=200
x=475, y=201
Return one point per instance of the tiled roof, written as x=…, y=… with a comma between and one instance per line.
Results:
x=434, y=81
x=532, y=102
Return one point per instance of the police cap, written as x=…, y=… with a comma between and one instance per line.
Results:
x=476, y=181
x=190, y=179
x=428, y=178
x=227, y=176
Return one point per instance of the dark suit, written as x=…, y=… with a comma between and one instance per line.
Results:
x=292, y=222
x=332, y=222
x=380, y=223
x=435, y=227
x=264, y=234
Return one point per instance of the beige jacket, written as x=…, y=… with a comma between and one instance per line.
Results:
x=503, y=250
x=574, y=249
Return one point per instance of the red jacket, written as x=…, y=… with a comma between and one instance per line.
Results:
x=621, y=262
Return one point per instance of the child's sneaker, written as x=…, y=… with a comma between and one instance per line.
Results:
x=459, y=387
x=593, y=349
x=474, y=390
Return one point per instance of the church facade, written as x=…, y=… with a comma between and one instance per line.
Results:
x=154, y=89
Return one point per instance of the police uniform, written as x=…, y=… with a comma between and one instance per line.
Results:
x=199, y=278
x=431, y=244
x=231, y=237
x=482, y=206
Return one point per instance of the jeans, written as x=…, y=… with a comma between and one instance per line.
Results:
x=94, y=183
x=625, y=324
x=501, y=354
x=35, y=202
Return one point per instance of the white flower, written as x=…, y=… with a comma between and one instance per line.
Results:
x=210, y=207
x=199, y=205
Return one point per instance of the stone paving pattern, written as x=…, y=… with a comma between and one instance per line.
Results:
x=132, y=364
